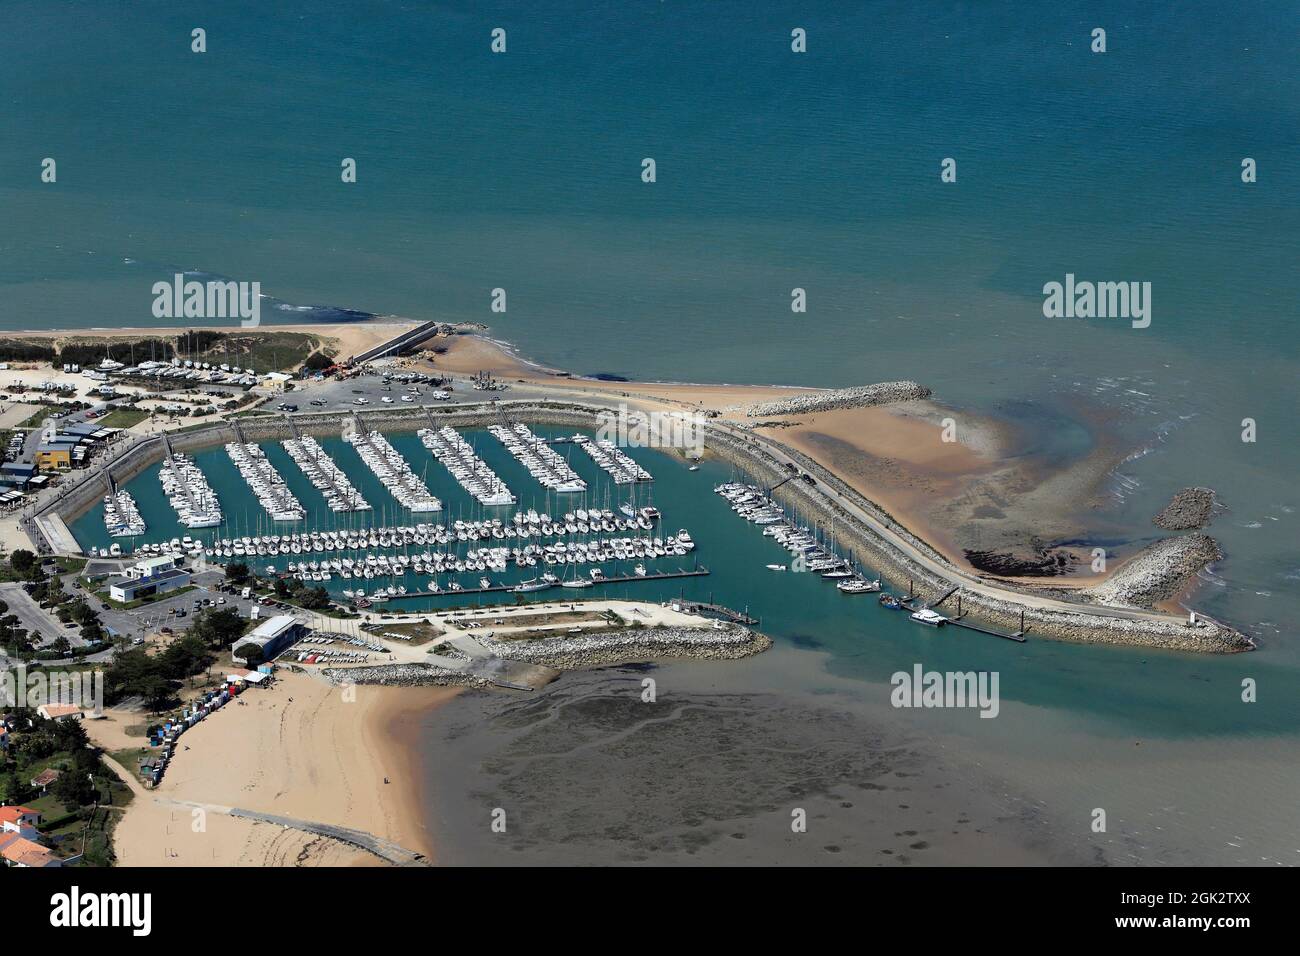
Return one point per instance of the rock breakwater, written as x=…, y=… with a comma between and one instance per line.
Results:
x=1158, y=572
x=634, y=645
x=882, y=393
x=404, y=675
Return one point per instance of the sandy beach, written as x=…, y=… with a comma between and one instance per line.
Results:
x=301, y=749
x=467, y=354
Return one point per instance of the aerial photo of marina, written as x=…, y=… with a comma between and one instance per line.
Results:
x=675, y=434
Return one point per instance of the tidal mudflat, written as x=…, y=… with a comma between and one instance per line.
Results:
x=709, y=773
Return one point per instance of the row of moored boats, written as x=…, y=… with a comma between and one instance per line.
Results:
x=393, y=470
x=189, y=493
x=496, y=558
x=325, y=476
x=542, y=461
x=810, y=554
x=268, y=486
x=122, y=515
x=612, y=459
x=458, y=457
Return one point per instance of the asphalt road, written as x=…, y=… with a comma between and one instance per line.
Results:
x=35, y=619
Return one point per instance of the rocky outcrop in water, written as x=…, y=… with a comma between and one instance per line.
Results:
x=882, y=393
x=1188, y=510
x=1157, y=572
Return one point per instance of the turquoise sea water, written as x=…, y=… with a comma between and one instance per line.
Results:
x=819, y=171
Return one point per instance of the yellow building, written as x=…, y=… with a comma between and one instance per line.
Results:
x=54, y=456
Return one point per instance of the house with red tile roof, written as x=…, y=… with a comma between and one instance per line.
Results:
x=20, y=820
x=59, y=711
x=19, y=851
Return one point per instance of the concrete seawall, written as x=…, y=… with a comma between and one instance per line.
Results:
x=90, y=488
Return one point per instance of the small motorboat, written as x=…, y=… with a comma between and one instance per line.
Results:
x=776, y=567
x=857, y=586
x=928, y=618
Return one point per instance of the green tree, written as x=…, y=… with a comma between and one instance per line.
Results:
x=184, y=658
x=17, y=790
x=218, y=627
x=237, y=573
x=74, y=788
x=250, y=653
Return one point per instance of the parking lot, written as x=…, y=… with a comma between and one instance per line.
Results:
x=343, y=396
x=176, y=611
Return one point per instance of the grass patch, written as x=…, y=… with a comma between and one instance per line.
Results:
x=266, y=350
x=131, y=757
x=122, y=418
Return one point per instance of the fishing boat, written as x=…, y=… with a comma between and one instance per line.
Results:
x=890, y=602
